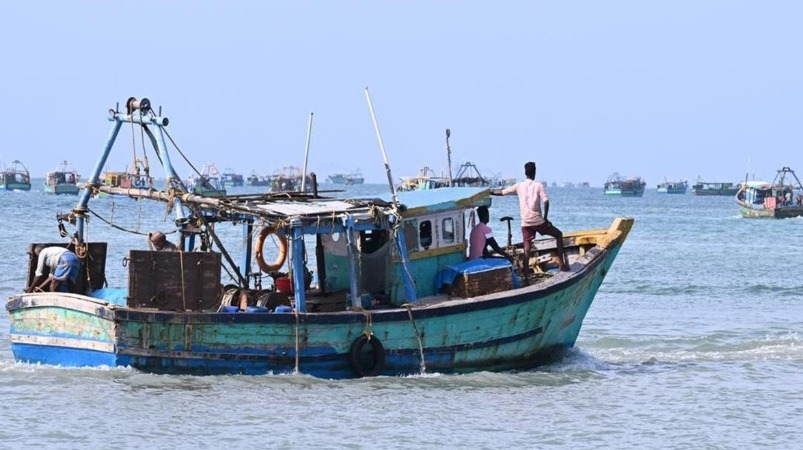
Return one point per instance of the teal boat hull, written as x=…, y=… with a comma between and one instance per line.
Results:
x=62, y=189
x=511, y=330
x=15, y=186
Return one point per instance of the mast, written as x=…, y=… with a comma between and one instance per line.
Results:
x=449, y=155
x=382, y=147
x=306, y=156
x=408, y=282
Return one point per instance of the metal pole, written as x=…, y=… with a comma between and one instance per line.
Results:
x=306, y=156
x=382, y=147
x=449, y=155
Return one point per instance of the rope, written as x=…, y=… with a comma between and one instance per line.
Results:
x=408, y=306
x=295, y=312
x=183, y=284
x=145, y=164
x=115, y=226
x=369, y=322
x=194, y=169
x=134, y=142
x=397, y=224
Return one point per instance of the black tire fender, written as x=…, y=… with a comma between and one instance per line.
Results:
x=356, y=356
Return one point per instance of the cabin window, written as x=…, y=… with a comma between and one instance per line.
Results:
x=447, y=227
x=425, y=234
x=410, y=236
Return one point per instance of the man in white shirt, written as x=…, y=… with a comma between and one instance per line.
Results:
x=531, y=193
x=57, y=269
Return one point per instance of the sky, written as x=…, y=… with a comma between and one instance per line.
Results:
x=659, y=89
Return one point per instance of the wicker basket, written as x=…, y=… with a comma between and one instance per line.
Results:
x=481, y=283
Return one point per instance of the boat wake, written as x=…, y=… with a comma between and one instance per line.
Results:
x=719, y=347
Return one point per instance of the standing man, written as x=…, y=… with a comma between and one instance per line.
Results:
x=531, y=193
x=57, y=270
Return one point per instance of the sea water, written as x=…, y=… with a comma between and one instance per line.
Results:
x=693, y=341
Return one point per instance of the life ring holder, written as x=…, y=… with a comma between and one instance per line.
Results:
x=260, y=259
x=355, y=354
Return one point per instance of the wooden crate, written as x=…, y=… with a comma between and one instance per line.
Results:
x=468, y=285
x=156, y=280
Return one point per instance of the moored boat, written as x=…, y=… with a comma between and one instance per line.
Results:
x=347, y=178
x=780, y=199
x=62, y=180
x=672, y=187
x=15, y=177
x=394, y=293
x=707, y=188
x=624, y=186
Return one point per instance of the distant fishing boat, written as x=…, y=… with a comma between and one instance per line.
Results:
x=395, y=293
x=136, y=175
x=706, y=188
x=424, y=180
x=468, y=175
x=207, y=182
x=780, y=199
x=15, y=177
x=673, y=187
x=62, y=180
x=624, y=186
x=230, y=178
x=257, y=180
x=288, y=179
x=347, y=178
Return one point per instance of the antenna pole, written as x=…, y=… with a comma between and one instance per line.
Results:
x=449, y=155
x=306, y=156
x=382, y=147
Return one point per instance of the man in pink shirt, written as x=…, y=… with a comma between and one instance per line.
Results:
x=531, y=193
x=481, y=237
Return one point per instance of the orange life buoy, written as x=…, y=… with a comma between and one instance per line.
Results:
x=265, y=267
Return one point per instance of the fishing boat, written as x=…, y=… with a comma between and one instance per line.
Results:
x=502, y=182
x=394, y=293
x=137, y=174
x=256, y=179
x=207, y=182
x=672, y=187
x=706, y=188
x=425, y=179
x=624, y=186
x=230, y=178
x=468, y=175
x=62, y=180
x=780, y=199
x=15, y=177
x=288, y=179
x=347, y=178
